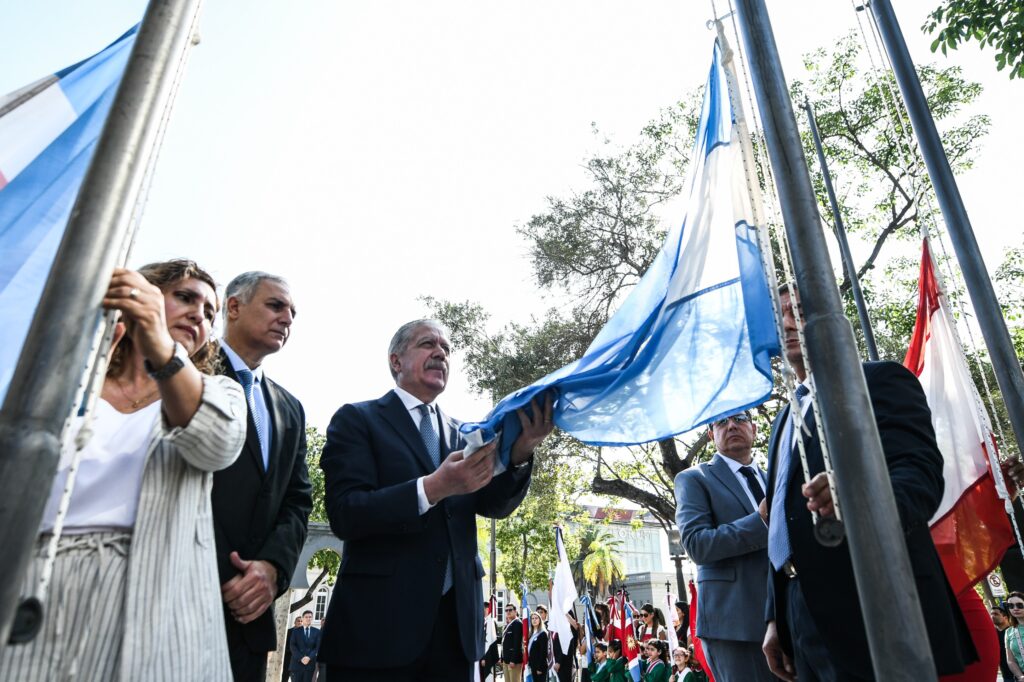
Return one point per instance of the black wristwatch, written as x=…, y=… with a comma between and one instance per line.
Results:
x=176, y=362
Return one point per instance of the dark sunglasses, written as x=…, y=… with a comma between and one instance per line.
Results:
x=646, y=614
x=1015, y=604
x=741, y=418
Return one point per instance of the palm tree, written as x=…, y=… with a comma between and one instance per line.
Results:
x=602, y=565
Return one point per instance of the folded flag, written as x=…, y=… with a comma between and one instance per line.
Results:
x=693, y=340
x=48, y=133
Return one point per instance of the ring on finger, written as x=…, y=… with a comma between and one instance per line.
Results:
x=133, y=293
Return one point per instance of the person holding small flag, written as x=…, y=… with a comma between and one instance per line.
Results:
x=539, y=648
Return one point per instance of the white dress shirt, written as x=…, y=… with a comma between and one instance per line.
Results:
x=735, y=467
x=262, y=413
x=412, y=404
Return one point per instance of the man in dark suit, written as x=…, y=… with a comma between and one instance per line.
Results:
x=403, y=497
x=719, y=513
x=813, y=609
x=512, y=645
x=304, y=645
x=261, y=503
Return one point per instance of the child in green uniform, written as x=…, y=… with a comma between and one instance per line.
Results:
x=616, y=663
x=656, y=668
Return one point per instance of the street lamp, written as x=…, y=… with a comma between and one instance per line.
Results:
x=675, y=548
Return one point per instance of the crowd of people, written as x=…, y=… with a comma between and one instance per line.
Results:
x=191, y=499
x=548, y=661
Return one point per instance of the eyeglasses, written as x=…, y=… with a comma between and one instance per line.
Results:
x=1015, y=604
x=741, y=418
x=645, y=614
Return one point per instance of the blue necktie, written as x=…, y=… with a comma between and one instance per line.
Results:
x=245, y=377
x=779, y=550
x=433, y=445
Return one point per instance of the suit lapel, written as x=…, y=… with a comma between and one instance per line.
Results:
x=275, y=407
x=719, y=468
x=252, y=439
x=394, y=413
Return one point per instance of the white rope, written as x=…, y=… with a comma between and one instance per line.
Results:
x=790, y=378
x=929, y=228
x=91, y=386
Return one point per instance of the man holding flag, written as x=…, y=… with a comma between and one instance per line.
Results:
x=811, y=585
x=404, y=497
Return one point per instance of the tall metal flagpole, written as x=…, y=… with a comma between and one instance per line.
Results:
x=1005, y=363
x=899, y=646
x=844, y=245
x=41, y=392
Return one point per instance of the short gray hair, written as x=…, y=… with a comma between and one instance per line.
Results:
x=243, y=287
x=403, y=337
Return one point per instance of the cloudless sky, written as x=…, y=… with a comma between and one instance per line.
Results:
x=376, y=152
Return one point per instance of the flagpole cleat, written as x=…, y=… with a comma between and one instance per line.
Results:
x=829, y=531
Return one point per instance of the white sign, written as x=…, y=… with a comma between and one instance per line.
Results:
x=996, y=583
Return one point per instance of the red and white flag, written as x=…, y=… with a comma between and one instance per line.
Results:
x=971, y=530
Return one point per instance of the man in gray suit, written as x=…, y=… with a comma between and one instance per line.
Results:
x=720, y=513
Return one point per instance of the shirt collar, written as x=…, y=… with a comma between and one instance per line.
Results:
x=734, y=466
x=238, y=363
x=410, y=401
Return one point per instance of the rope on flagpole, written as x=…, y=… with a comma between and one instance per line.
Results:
x=929, y=227
x=94, y=373
x=827, y=530
x=908, y=146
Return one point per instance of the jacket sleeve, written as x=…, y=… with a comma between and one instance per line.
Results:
x=284, y=543
x=908, y=440
x=357, y=504
x=214, y=436
x=504, y=493
x=704, y=541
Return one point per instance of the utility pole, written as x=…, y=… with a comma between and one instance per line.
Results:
x=899, y=647
x=844, y=245
x=1005, y=363
x=42, y=390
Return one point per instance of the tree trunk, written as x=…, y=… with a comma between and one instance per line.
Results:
x=282, y=614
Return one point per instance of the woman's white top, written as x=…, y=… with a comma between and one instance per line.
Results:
x=109, y=478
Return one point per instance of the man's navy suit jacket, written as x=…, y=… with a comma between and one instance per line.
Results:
x=826, y=573
x=727, y=538
x=301, y=646
x=394, y=558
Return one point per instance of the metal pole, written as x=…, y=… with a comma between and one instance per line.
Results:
x=898, y=647
x=844, y=245
x=41, y=391
x=1005, y=363
x=494, y=557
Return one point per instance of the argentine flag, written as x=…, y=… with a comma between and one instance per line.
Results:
x=48, y=132
x=693, y=341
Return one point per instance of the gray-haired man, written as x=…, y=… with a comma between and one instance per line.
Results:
x=261, y=503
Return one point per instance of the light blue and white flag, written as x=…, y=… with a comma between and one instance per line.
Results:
x=48, y=133
x=525, y=608
x=693, y=341
x=588, y=628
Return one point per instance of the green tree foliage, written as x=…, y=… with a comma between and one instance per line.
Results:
x=993, y=23
x=592, y=245
x=602, y=564
x=326, y=560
